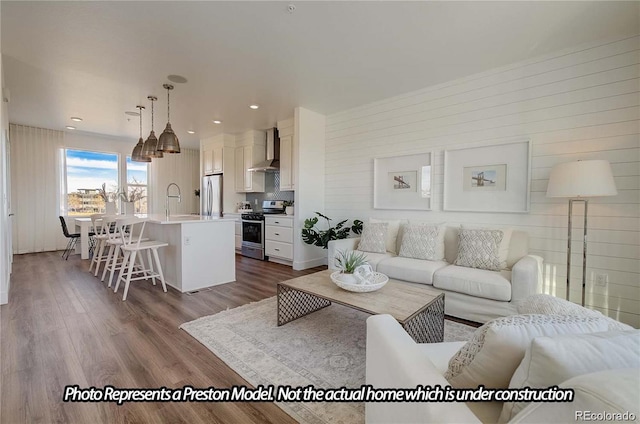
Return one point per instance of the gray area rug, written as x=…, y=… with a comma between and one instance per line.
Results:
x=325, y=349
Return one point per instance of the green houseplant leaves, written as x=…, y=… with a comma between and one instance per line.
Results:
x=321, y=238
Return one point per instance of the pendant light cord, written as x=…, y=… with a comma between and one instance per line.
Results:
x=151, y=115
x=140, y=109
x=168, y=105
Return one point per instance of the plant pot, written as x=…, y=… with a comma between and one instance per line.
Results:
x=110, y=208
x=288, y=210
x=347, y=278
x=129, y=208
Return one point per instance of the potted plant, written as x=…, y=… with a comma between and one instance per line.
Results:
x=347, y=262
x=321, y=238
x=129, y=198
x=109, y=198
x=288, y=207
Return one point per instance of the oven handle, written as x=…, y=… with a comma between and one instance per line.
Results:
x=248, y=220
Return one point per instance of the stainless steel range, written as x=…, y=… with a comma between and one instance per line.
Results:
x=253, y=229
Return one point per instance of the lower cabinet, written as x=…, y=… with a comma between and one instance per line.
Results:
x=238, y=235
x=279, y=239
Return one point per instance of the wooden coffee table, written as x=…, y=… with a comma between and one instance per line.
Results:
x=418, y=308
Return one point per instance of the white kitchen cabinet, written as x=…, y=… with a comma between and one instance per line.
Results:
x=207, y=164
x=246, y=157
x=213, y=160
x=279, y=239
x=287, y=163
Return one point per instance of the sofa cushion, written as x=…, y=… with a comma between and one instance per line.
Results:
x=549, y=361
x=412, y=270
x=497, y=348
x=475, y=282
x=374, y=259
x=551, y=305
x=612, y=391
x=440, y=353
x=483, y=248
x=373, y=238
x=423, y=241
x=393, y=231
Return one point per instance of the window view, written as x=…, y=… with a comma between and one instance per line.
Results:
x=92, y=180
x=137, y=185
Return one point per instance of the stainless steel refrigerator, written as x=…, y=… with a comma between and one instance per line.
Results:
x=211, y=196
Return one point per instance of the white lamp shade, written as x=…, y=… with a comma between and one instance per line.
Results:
x=586, y=178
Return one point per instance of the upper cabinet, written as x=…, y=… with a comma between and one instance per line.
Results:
x=212, y=156
x=250, y=151
x=288, y=155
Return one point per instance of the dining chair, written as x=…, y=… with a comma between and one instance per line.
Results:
x=73, y=239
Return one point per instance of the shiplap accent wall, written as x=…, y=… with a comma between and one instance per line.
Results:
x=576, y=104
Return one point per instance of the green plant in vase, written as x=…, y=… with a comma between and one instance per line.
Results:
x=321, y=238
x=347, y=261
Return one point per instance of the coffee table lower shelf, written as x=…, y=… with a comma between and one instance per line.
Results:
x=425, y=326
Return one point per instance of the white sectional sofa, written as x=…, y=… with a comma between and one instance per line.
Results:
x=470, y=293
x=554, y=343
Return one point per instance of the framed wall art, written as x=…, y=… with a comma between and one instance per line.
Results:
x=493, y=178
x=403, y=182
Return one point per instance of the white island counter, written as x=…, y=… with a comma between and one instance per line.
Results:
x=201, y=250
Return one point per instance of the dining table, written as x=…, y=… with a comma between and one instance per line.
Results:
x=84, y=224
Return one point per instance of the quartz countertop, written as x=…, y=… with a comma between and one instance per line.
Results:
x=183, y=219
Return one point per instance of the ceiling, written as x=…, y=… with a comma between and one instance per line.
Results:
x=97, y=60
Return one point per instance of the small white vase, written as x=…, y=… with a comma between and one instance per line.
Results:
x=348, y=278
x=129, y=208
x=110, y=208
x=288, y=210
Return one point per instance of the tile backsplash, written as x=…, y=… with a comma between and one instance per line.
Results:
x=272, y=191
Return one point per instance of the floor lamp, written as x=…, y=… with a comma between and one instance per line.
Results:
x=577, y=181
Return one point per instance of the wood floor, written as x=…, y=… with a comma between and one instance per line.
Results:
x=64, y=327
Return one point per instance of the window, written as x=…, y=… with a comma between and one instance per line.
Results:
x=87, y=174
x=137, y=185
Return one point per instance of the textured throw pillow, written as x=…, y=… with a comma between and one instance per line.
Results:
x=423, y=241
x=393, y=229
x=497, y=348
x=373, y=238
x=611, y=391
x=551, y=305
x=480, y=248
x=551, y=360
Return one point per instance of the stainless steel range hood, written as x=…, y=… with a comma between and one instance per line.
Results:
x=272, y=164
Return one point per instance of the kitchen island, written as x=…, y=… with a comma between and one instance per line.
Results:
x=201, y=250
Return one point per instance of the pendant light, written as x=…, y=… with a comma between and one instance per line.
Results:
x=136, y=156
x=150, y=148
x=168, y=142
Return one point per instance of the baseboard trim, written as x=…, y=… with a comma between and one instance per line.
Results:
x=4, y=298
x=299, y=266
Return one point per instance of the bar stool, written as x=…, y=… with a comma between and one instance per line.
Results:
x=113, y=261
x=132, y=247
x=100, y=238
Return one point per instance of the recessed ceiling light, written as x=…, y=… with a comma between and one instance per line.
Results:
x=215, y=121
x=69, y=127
x=131, y=113
x=191, y=132
x=75, y=118
x=178, y=79
x=254, y=107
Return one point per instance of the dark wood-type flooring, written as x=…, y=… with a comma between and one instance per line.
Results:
x=63, y=326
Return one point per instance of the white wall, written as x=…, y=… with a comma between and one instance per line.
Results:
x=5, y=197
x=309, y=137
x=182, y=169
x=576, y=104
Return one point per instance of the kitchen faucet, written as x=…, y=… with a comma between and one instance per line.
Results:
x=179, y=197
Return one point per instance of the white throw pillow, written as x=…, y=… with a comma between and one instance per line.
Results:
x=373, y=238
x=551, y=360
x=423, y=241
x=393, y=229
x=612, y=391
x=551, y=305
x=497, y=348
x=483, y=248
